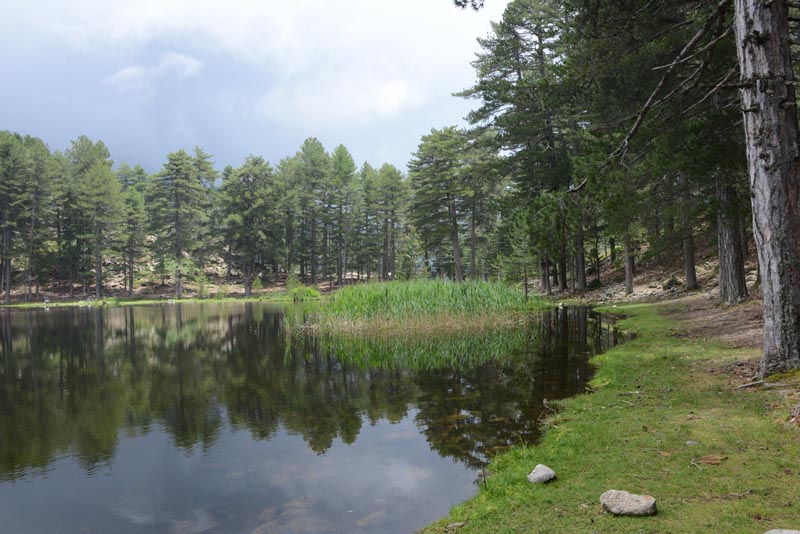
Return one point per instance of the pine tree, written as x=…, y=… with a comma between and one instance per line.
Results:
x=178, y=201
x=100, y=201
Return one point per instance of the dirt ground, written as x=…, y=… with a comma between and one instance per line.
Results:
x=738, y=326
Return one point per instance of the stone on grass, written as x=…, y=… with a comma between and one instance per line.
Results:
x=782, y=531
x=541, y=474
x=618, y=502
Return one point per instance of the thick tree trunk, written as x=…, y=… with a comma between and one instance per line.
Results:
x=732, y=287
x=628, y=259
x=612, y=247
x=771, y=132
x=688, y=237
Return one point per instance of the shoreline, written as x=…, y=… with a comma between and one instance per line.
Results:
x=664, y=418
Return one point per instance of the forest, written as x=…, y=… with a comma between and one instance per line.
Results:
x=602, y=132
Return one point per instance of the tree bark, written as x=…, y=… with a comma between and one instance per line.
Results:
x=562, y=271
x=98, y=260
x=580, y=258
x=689, y=270
x=473, y=275
x=545, y=286
x=771, y=134
x=628, y=253
x=732, y=287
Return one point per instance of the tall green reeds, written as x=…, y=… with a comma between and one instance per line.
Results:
x=421, y=305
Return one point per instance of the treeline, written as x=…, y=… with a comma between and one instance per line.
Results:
x=70, y=219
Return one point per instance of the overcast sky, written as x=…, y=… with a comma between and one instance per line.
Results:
x=237, y=77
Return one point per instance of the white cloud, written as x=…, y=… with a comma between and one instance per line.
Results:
x=320, y=65
x=333, y=99
x=139, y=78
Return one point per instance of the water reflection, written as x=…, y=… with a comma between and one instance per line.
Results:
x=79, y=386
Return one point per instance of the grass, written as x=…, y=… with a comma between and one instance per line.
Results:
x=421, y=306
x=653, y=395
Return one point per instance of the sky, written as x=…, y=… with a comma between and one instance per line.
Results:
x=237, y=77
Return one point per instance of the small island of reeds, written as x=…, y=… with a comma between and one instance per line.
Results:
x=421, y=306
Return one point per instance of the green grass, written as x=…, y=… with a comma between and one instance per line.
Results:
x=420, y=304
x=653, y=394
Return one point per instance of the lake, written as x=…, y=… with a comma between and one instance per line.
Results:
x=209, y=418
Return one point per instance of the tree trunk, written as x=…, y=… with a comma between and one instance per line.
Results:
x=688, y=237
x=544, y=286
x=628, y=253
x=313, y=258
x=451, y=207
x=562, y=271
x=130, y=273
x=248, y=279
x=385, y=256
x=732, y=287
x=98, y=263
x=771, y=133
x=612, y=246
x=393, y=252
x=473, y=275
x=580, y=258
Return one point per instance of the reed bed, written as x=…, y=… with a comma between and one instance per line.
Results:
x=389, y=305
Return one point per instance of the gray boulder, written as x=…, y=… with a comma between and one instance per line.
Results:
x=541, y=474
x=618, y=502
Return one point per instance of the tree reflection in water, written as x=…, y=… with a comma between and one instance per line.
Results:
x=75, y=381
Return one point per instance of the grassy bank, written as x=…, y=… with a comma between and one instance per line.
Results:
x=422, y=306
x=660, y=422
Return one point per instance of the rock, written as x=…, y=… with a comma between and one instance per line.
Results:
x=540, y=474
x=782, y=531
x=453, y=526
x=618, y=502
x=692, y=443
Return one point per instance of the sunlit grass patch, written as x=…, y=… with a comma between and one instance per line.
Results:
x=422, y=306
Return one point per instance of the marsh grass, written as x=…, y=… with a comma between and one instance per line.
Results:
x=421, y=306
x=652, y=395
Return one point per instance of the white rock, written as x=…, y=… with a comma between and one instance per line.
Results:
x=540, y=474
x=618, y=502
x=782, y=531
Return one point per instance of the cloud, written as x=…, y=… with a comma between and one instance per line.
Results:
x=374, y=73
x=340, y=99
x=140, y=78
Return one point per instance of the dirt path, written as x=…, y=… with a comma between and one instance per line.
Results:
x=737, y=326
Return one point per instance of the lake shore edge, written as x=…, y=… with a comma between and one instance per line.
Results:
x=662, y=417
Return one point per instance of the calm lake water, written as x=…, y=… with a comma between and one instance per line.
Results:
x=198, y=418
